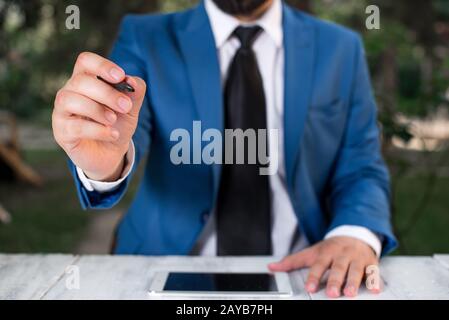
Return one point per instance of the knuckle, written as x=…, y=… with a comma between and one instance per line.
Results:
x=315, y=273
x=336, y=275
x=60, y=97
x=82, y=57
x=357, y=267
x=73, y=128
x=341, y=261
x=355, y=277
x=339, y=267
x=313, y=276
x=77, y=81
x=321, y=262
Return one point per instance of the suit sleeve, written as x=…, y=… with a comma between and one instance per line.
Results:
x=125, y=53
x=360, y=187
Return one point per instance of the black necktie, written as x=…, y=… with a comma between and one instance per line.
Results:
x=243, y=203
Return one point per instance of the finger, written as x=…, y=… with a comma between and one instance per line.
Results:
x=94, y=64
x=76, y=129
x=138, y=95
x=71, y=103
x=295, y=261
x=337, y=276
x=316, y=273
x=355, y=276
x=100, y=92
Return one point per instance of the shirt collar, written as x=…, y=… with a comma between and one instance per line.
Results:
x=223, y=24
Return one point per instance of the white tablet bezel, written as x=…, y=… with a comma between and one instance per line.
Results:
x=282, y=279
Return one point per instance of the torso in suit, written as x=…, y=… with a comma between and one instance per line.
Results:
x=334, y=173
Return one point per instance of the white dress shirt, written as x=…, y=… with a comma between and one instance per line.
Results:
x=285, y=233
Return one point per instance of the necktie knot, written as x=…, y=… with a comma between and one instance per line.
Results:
x=247, y=35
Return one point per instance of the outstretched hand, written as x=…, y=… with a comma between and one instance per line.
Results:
x=346, y=258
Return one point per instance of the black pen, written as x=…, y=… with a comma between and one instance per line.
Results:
x=122, y=86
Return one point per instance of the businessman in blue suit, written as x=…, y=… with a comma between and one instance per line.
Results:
x=235, y=64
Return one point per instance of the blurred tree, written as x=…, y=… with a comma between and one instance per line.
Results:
x=304, y=5
x=409, y=63
x=37, y=51
x=403, y=59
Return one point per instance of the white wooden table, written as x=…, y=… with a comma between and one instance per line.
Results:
x=128, y=277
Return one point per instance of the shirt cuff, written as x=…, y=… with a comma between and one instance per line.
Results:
x=361, y=233
x=101, y=186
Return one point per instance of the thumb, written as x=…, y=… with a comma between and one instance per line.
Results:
x=295, y=261
x=138, y=95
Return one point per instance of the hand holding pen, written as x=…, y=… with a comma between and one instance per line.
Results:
x=95, y=116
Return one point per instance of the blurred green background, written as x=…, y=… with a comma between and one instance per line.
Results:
x=409, y=62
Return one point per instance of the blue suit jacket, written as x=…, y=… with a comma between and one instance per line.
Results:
x=334, y=170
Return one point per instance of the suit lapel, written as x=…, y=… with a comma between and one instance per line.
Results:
x=298, y=79
x=197, y=45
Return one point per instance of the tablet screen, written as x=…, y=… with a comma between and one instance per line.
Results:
x=224, y=282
